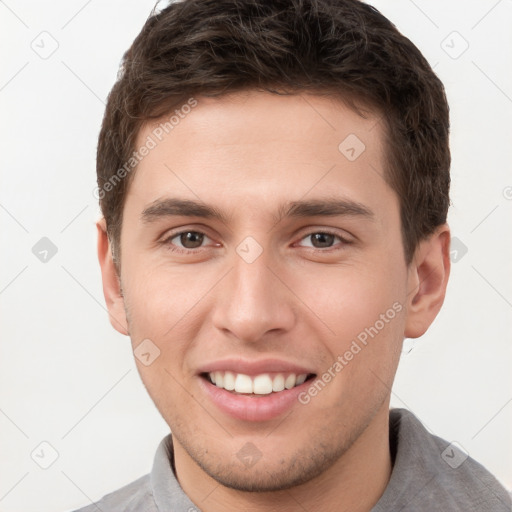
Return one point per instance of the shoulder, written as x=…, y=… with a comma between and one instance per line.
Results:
x=133, y=497
x=433, y=474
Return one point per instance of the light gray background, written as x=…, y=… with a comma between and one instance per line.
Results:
x=68, y=379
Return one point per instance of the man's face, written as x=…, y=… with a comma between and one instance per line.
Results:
x=297, y=260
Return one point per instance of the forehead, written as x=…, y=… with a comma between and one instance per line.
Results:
x=254, y=145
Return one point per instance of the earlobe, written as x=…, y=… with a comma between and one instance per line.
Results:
x=111, y=283
x=428, y=279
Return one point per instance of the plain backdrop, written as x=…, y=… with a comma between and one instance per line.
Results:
x=68, y=380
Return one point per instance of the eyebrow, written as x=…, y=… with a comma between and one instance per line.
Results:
x=325, y=207
x=169, y=207
x=330, y=207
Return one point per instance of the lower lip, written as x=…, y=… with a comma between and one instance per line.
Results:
x=255, y=407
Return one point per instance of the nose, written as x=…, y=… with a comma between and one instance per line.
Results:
x=252, y=301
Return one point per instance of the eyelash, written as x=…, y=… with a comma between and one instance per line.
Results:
x=173, y=248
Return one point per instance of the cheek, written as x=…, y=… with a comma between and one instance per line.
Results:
x=161, y=299
x=349, y=299
x=161, y=303
x=363, y=309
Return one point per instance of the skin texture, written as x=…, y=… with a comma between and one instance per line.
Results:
x=246, y=154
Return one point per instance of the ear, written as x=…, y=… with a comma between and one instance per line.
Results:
x=111, y=283
x=427, y=280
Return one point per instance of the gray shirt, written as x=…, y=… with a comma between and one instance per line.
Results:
x=429, y=474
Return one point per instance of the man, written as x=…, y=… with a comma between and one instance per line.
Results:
x=274, y=181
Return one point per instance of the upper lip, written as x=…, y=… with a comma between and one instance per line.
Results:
x=254, y=367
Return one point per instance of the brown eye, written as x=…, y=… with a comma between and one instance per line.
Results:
x=191, y=239
x=186, y=240
x=321, y=240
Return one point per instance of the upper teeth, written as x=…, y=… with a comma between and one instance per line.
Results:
x=262, y=384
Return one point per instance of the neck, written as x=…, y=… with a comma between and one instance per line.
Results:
x=355, y=482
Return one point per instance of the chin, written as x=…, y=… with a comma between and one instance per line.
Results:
x=270, y=470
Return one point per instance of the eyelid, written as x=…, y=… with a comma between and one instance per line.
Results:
x=186, y=228
x=179, y=233
x=344, y=236
x=166, y=238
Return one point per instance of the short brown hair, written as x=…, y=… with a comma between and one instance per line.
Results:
x=345, y=48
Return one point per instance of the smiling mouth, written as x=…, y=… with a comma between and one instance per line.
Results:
x=257, y=385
